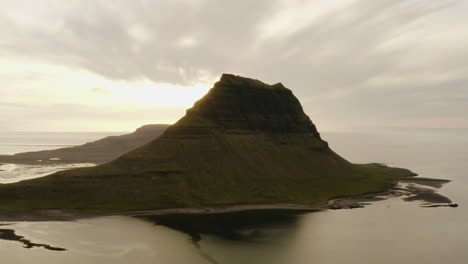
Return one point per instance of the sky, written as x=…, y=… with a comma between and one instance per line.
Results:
x=96, y=65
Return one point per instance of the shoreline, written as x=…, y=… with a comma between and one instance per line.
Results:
x=430, y=198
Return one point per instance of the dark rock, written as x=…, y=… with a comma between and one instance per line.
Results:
x=9, y=234
x=241, y=103
x=353, y=206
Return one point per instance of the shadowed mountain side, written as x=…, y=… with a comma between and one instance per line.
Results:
x=244, y=142
x=100, y=151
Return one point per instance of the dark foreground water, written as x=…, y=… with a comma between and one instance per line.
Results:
x=390, y=231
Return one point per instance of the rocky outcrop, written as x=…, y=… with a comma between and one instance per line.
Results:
x=238, y=103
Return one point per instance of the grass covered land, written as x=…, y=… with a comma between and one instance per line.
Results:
x=265, y=176
x=245, y=142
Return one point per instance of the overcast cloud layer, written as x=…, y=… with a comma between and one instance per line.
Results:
x=353, y=64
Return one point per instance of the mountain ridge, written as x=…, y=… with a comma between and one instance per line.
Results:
x=244, y=142
x=99, y=151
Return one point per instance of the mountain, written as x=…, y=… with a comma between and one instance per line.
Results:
x=100, y=151
x=244, y=142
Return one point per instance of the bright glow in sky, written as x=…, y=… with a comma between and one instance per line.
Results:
x=37, y=86
x=96, y=65
x=55, y=84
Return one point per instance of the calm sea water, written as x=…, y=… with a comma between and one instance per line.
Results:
x=15, y=142
x=390, y=231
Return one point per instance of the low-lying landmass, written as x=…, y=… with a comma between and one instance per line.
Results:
x=243, y=144
x=98, y=152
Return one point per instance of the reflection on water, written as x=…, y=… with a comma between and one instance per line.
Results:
x=385, y=232
x=244, y=226
x=391, y=227
x=100, y=240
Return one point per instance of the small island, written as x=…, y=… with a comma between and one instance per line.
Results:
x=245, y=144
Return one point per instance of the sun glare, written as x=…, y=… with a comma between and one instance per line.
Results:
x=163, y=95
x=77, y=87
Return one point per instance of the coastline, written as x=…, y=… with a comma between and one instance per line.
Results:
x=429, y=198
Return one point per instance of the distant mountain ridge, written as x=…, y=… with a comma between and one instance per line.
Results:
x=244, y=142
x=99, y=151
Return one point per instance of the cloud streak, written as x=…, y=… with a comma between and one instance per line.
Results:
x=349, y=64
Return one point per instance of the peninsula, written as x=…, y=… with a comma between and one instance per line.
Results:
x=98, y=152
x=245, y=142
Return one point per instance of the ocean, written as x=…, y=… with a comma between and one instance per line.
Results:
x=17, y=142
x=388, y=231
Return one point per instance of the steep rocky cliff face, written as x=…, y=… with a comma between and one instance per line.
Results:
x=244, y=142
x=240, y=103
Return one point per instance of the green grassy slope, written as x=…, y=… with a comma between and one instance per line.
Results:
x=245, y=142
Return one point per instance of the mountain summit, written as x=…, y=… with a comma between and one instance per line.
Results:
x=240, y=103
x=244, y=142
